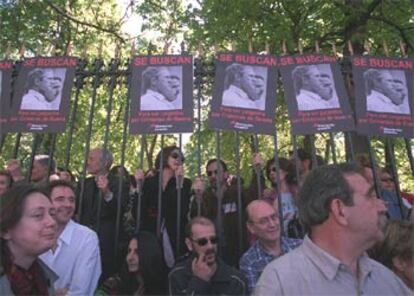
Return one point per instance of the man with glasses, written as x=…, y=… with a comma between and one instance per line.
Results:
x=263, y=223
x=222, y=186
x=203, y=273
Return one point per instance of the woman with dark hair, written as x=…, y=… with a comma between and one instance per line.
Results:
x=287, y=186
x=143, y=272
x=169, y=163
x=396, y=251
x=27, y=229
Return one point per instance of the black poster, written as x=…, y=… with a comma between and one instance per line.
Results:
x=384, y=95
x=6, y=67
x=161, y=94
x=41, y=97
x=244, y=97
x=315, y=94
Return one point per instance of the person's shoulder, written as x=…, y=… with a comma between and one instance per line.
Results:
x=84, y=231
x=231, y=271
x=288, y=262
x=235, y=276
x=181, y=267
x=151, y=180
x=291, y=243
x=250, y=255
x=187, y=182
x=382, y=275
x=378, y=269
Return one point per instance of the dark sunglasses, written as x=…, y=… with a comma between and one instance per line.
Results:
x=210, y=173
x=175, y=155
x=387, y=180
x=203, y=241
x=273, y=169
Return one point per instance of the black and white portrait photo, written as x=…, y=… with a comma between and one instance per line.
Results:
x=314, y=87
x=161, y=88
x=245, y=86
x=386, y=91
x=43, y=89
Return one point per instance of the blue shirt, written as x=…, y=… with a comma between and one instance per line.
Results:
x=256, y=258
x=394, y=210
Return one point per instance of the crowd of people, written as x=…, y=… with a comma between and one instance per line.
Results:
x=315, y=229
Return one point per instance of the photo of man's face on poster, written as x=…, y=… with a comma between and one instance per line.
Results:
x=43, y=89
x=161, y=88
x=386, y=91
x=245, y=86
x=314, y=87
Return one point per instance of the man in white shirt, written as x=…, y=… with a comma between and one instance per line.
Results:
x=160, y=90
x=385, y=92
x=76, y=257
x=43, y=90
x=314, y=89
x=244, y=88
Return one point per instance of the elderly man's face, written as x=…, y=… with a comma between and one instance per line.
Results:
x=392, y=88
x=259, y=84
x=318, y=82
x=264, y=222
x=94, y=164
x=49, y=85
x=251, y=84
x=167, y=84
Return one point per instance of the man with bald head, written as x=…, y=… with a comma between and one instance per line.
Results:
x=314, y=88
x=160, y=89
x=263, y=222
x=386, y=92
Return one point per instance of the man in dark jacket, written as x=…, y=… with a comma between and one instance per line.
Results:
x=223, y=187
x=204, y=273
x=104, y=186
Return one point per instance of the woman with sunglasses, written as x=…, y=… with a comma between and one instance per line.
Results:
x=388, y=183
x=143, y=271
x=27, y=229
x=169, y=163
x=287, y=186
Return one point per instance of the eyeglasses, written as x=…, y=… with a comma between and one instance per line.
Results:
x=266, y=220
x=387, y=180
x=203, y=241
x=210, y=173
x=272, y=169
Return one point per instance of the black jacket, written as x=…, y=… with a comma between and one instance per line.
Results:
x=226, y=281
x=107, y=222
x=169, y=206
